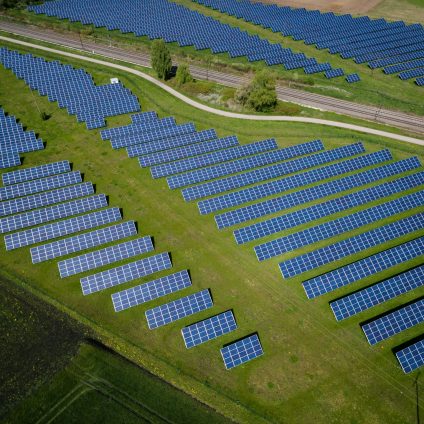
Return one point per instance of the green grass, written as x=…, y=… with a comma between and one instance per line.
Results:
x=408, y=10
x=313, y=367
x=386, y=91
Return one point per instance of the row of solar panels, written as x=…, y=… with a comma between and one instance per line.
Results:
x=73, y=89
x=26, y=186
x=177, y=23
x=204, y=165
x=14, y=140
x=363, y=39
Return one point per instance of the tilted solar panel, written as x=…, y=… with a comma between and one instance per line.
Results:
x=241, y=351
x=411, y=357
x=8, y=160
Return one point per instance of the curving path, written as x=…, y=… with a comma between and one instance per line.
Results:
x=224, y=113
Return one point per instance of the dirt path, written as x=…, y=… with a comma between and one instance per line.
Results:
x=340, y=6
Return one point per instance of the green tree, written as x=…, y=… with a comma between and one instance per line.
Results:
x=161, y=59
x=260, y=94
x=183, y=75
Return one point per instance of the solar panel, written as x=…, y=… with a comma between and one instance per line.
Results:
x=144, y=116
x=62, y=210
x=208, y=329
x=358, y=270
x=341, y=225
x=83, y=241
x=213, y=158
x=352, y=78
x=178, y=309
x=151, y=290
x=336, y=251
x=394, y=322
x=241, y=351
x=411, y=357
x=61, y=228
x=251, y=162
x=169, y=143
x=21, y=147
x=124, y=273
x=274, y=171
x=291, y=182
x=44, y=184
x=151, y=136
x=8, y=160
x=339, y=204
x=105, y=256
x=44, y=199
x=313, y=193
x=186, y=157
x=378, y=293
x=36, y=172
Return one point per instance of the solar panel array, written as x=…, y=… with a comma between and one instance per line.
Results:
x=61, y=228
x=341, y=225
x=51, y=213
x=363, y=268
x=208, y=329
x=174, y=23
x=339, y=250
x=73, y=89
x=394, y=322
x=339, y=204
x=151, y=290
x=241, y=351
x=274, y=171
x=83, y=241
x=42, y=171
x=361, y=38
x=364, y=299
x=105, y=256
x=14, y=140
x=411, y=357
x=178, y=309
x=124, y=273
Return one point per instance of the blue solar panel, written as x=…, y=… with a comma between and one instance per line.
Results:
x=178, y=309
x=336, y=251
x=306, y=215
x=44, y=199
x=62, y=210
x=83, y=241
x=124, y=273
x=21, y=147
x=294, y=181
x=274, y=171
x=411, y=357
x=394, y=322
x=105, y=256
x=208, y=329
x=334, y=73
x=313, y=193
x=250, y=162
x=61, y=228
x=352, y=78
x=365, y=267
x=36, y=186
x=242, y=351
x=151, y=290
x=183, y=156
x=36, y=172
x=169, y=143
x=144, y=116
x=9, y=160
x=341, y=225
x=378, y=293
x=213, y=158
x=152, y=135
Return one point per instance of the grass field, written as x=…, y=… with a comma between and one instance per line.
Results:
x=386, y=91
x=313, y=368
x=406, y=10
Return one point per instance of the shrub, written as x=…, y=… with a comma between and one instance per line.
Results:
x=161, y=59
x=183, y=75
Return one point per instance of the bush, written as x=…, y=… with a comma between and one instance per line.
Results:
x=183, y=75
x=260, y=94
x=161, y=59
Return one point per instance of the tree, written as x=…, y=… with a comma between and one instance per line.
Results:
x=161, y=59
x=183, y=75
x=260, y=94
